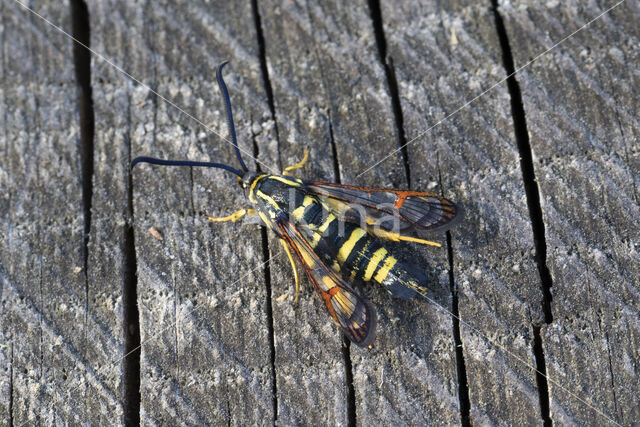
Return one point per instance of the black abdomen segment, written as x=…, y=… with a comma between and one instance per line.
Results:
x=359, y=255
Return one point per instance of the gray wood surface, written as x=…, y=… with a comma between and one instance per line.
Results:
x=221, y=341
x=582, y=106
x=202, y=296
x=51, y=336
x=475, y=156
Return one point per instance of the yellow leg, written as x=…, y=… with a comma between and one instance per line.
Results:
x=234, y=216
x=295, y=270
x=384, y=234
x=297, y=165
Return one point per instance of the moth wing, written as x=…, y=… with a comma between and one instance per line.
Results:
x=390, y=209
x=349, y=311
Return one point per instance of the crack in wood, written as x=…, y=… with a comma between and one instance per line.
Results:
x=263, y=231
x=268, y=302
x=82, y=66
x=387, y=63
x=526, y=166
x=534, y=206
x=541, y=377
x=334, y=152
x=392, y=83
x=351, y=391
x=131, y=315
x=262, y=53
x=346, y=344
x=461, y=367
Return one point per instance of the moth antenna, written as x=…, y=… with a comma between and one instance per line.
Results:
x=227, y=104
x=163, y=162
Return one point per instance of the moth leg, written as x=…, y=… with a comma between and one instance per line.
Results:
x=234, y=216
x=297, y=165
x=384, y=234
x=295, y=270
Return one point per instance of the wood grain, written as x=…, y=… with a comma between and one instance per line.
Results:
x=202, y=295
x=582, y=102
x=221, y=341
x=444, y=57
x=50, y=335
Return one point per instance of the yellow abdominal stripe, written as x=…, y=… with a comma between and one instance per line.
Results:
x=348, y=246
x=377, y=257
x=384, y=270
x=373, y=263
x=326, y=224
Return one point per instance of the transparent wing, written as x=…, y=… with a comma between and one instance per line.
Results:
x=349, y=311
x=419, y=211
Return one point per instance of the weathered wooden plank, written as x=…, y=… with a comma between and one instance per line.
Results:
x=330, y=88
x=582, y=107
x=444, y=56
x=45, y=322
x=6, y=349
x=202, y=295
x=205, y=297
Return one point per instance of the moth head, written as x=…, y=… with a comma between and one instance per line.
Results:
x=247, y=179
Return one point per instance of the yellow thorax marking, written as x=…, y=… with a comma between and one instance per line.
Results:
x=268, y=199
x=252, y=189
x=289, y=181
